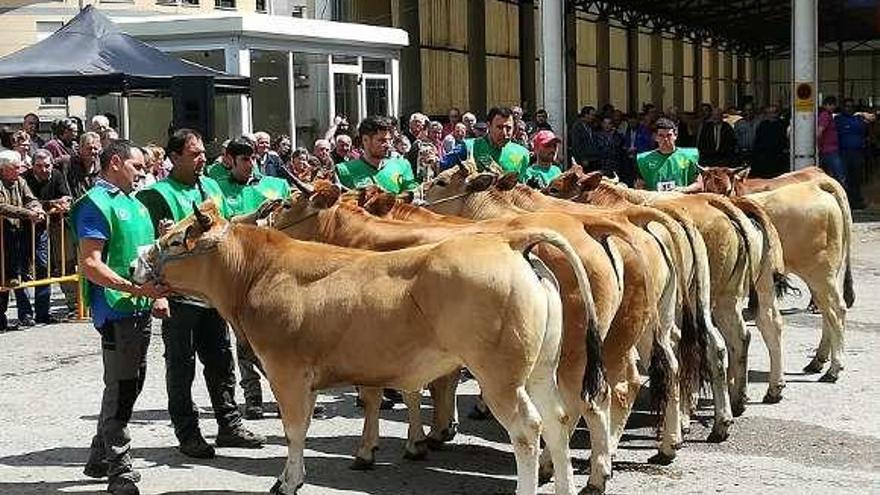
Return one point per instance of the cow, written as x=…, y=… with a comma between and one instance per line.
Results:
x=740, y=256
x=346, y=224
x=321, y=316
x=812, y=214
x=649, y=285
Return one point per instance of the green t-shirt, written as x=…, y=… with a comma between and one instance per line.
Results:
x=666, y=172
x=512, y=157
x=395, y=176
x=537, y=176
x=244, y=199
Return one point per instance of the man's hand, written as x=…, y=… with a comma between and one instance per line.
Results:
x=152, y=289
x=164, y=226
x=36, y=216
x=161, y=309
x=61, y=204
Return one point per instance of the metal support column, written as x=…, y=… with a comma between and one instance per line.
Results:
x=632, y=69
x=603, y=62
x=657, y=69
x=805, y=48
x=698, y=74
x=552, y=61
x=765, y=80
x=841, y=72
x=527, y=74
x=409, y=19
x=569, y=53
x=678, y=73
x=238, y=62
x=713, y=76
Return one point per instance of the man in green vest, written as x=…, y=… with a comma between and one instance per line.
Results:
x=667, y=168
x=246, y=193
x=545, y=168
x=194, y=327
x=494, y=147
x=110, y=224
x=393, y=175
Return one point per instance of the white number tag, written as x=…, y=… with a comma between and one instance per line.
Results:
x=666, y=186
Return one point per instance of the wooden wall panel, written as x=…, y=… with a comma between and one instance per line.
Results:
x=587, y=86
x=443, y=23
x=444, y=81
x=502, y=77
x=502, y=28
x=586, y=42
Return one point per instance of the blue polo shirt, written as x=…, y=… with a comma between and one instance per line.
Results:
x=91, y=224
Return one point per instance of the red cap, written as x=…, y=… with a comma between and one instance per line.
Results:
x=544, y=138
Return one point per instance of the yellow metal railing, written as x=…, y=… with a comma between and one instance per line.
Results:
x=56, y=233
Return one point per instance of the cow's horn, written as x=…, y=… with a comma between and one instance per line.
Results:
x=204, y=220
x=303, y=187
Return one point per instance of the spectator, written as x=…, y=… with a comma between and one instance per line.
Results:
x=716, y=140
x=683, y=136
x=108, y=135
x=417, y=133
x=454, y=139
x=851, y=134
x=744, y=130
x=99, y=124
x=612, y=153
x=435, y=138
x=266, y=158
x=643, y=138
x=667, y=167
x=394, y=175
x=19, y=208
x=31, y=125
x=496, y=148
x=521, y=134
x=154, y=157
x=21, y=142
x=731, y=116
x=582, y=143
x=282, y=147
x=342, y=149
x=541, y=123
x=771, y=144
x=83, y=169
x=322, y=153
x=469, y=120
x=480, y=129
x=50, y=187
x=517, y=113
x=299, y=167
x=340, y=127
x=62, y=144
x=427, y=164
x=546, y=167
x=402, y=146
x=827, y=141
x=453, y=119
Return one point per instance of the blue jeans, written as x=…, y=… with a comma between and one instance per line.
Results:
x=43, y=293
x=17, y=247
x=833, y=165
x=854, y=163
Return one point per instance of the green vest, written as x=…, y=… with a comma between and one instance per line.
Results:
x=130, y=228
x=244, y=199
x=512, y=157
x=666, y=172
x=539, y=176
x=180, y=197
x=395, y=176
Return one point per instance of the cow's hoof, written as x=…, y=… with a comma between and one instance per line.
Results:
x=772, y=398
x=591, y=490
x=449, y=433
x=277, y=490
x=478, y=414
x=738, y=408
x=419, y=454
x=829, y=377
x=814, y=367
x=717, y=436
x=545, y=474
x=678, y=445
x=361, y=464
x=661, y=459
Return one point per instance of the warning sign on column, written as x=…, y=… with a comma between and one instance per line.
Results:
x=804, y=97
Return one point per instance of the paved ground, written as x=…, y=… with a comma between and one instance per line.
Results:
x=821, y=439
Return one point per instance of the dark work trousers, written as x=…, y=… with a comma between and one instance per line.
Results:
x=17, y=257
x=124, y=346
x=248, y=366
x=192, y=330
x=854, y=164
x=43, y=293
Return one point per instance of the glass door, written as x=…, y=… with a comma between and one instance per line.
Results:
x=376, y=94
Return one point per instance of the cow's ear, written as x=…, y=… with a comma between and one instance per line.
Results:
x=741, y=174
x=480, y=182
x=325, y=197
x=381, y=204
x=590, y=181
x=577, y=170
x=507, y=181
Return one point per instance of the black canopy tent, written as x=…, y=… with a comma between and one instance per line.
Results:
x=90, y=56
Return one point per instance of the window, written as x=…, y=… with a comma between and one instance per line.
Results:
x=224, y=4
x=53, y=101
x=185, y=3
x=261, y=6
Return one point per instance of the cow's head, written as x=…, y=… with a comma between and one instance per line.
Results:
x=723, y=180
x=176, y=258
x=566, y=184
x=379, y=203
x=298, y=217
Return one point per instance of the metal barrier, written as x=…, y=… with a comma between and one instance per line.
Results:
x=57, y=243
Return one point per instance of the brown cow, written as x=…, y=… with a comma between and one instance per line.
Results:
x=812, y=214
x=739, y=256
x=321, y=316
x=649, y=286
x=349, y=225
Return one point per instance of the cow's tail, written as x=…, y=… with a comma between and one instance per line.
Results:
x=772, y=246
x=741, y=225
x=696, y=313
x=592, y=384
x=833, y=188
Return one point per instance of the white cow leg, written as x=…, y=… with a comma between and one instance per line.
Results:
x=831, y=304
x=598, y=419
x=416, y=448
x=516, y=412
x=717, y=361
x=296, y=403
x=445, y=425
x=728, y=314
x=365, y=457
x=769, y=322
